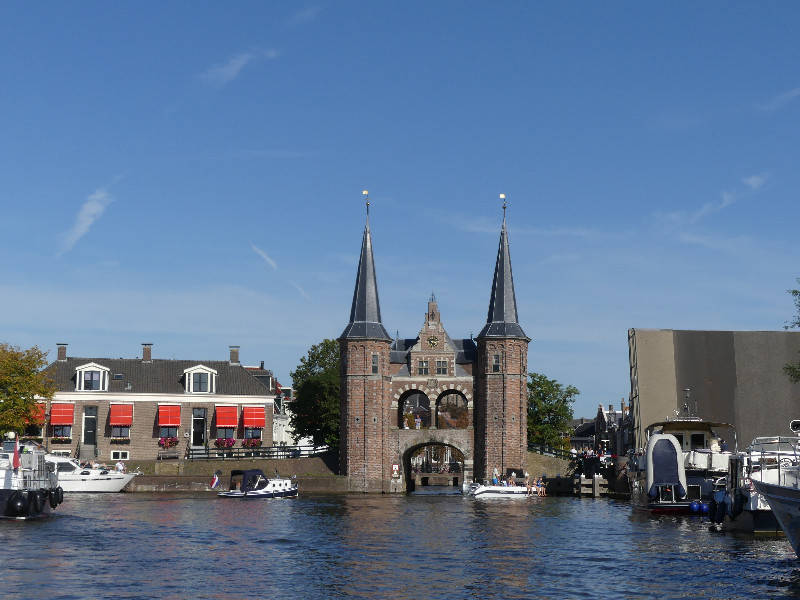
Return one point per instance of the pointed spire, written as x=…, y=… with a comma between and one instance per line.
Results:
x=502, y=318
x=365, y=313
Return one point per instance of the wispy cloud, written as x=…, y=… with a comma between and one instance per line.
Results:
x=301, y=290
x=754, y=182
x=731, y=245
x=485, y=225
x=90, y=211
x=265, y=256
x=304, y=16
x=223, y=73
x=682, y=217
x=780, y=100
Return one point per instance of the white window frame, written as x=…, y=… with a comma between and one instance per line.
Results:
x=119, y=454
x=188, y=375
x=88, y=367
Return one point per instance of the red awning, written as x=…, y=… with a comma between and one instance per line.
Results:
x=253, y=417
x=62, y=414
x=122, y=415
x=227, y=416
x=169, y=415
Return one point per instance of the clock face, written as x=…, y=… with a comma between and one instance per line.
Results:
x=433, y=341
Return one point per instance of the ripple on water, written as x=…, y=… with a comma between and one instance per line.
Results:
x=385, y=547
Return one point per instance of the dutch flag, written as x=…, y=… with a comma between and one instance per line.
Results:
x=215, y=480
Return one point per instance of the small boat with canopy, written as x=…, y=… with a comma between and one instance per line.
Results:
x=253, y=484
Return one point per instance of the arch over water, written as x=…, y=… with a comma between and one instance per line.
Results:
x=436, y=458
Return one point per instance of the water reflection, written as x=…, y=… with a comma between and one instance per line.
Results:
x=384, y=547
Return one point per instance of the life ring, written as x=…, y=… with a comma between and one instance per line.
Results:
x=53, y=498
x=60, y=492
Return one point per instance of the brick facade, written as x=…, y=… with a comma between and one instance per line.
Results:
x=145, y=384
x=142, y=443
x=470, y=399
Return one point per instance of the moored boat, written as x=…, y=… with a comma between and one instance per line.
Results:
x=74, y=478
x=686, y=459
x=478, y=490
x=253, y=484
x=28, y=487
x=784, y=499
x=763, y=460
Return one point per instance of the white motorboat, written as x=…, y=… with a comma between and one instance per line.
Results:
x=685, y=460
x=478, y=490
x=28, y=486
x=74, y=478
x=784, y=499
x=253, y=484
x=763, y=460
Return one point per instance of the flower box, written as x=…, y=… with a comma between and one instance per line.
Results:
x=251, y=443
x=119, y=440
x=61, y=440
x=168, y=442
x=224, y=442
x=31, y=438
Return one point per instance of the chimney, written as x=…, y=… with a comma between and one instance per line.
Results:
x=62, y=351
x=262, y=365
x=147, y=353
x=234, y=354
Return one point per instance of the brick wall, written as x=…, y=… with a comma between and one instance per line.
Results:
x=365, y=446
x=144, y=431
x=501, y=401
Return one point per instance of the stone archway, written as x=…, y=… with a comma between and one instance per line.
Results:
x=443, y=450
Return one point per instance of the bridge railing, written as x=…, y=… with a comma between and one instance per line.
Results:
x=549, y=451
x=212, y=453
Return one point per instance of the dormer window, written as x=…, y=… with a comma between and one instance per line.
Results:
x=91, y=377
x=200, y=380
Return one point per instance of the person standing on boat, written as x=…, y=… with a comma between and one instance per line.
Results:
x=120, y=466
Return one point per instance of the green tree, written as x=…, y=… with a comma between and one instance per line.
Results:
x=315, y=410
x=22, y=383
x=549, y=410
x=320, y=358
x=793, y=369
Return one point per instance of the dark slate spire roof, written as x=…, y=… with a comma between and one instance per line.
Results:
x=365, y=315
x=501, y=321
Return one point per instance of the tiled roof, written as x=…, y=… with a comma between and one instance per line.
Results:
x=365, y=313
x=158, y=376
x=502, y=318
x=464, y=349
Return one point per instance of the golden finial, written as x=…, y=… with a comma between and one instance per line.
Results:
x=365, y=193
x=505, y=204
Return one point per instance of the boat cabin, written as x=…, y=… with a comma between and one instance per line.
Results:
x=248, y=481
x=694, y=434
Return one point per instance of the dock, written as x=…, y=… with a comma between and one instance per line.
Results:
x=592, y=487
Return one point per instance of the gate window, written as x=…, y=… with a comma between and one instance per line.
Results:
x=451, y=412
x=415, y=411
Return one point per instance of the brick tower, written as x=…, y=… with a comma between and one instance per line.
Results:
x=501, y=366
x=365, y=383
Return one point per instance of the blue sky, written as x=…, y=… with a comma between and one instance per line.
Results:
x=190, y=175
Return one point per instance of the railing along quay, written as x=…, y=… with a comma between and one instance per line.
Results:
x=549, y=451
x=212, y=453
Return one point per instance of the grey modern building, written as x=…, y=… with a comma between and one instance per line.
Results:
x=733, y=376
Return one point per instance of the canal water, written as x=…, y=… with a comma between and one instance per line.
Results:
x=385, y=547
